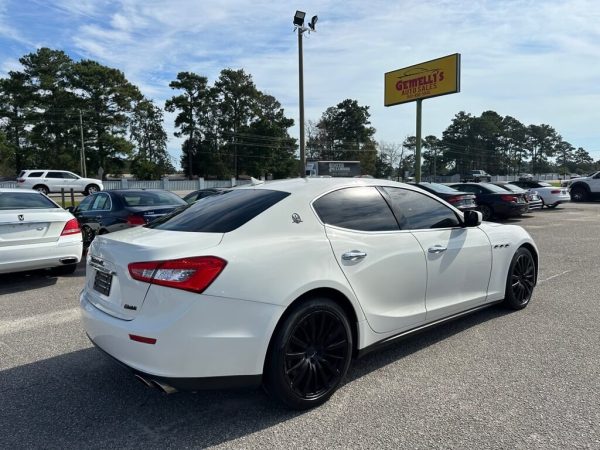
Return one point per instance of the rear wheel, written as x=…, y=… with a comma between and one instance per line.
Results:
x=486, y=212
x=554, y=205
x=41, y=188
x=88, y=235
x=520, y=280
x=578, y=194
x=310, y=354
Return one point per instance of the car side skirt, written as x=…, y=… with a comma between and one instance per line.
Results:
x=413, y=331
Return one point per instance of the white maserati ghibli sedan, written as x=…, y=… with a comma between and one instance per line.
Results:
x=284, y=283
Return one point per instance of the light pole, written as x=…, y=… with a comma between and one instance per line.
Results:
x=300, y=28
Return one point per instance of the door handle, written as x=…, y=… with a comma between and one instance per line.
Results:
x=353, y=255
x=437, y=249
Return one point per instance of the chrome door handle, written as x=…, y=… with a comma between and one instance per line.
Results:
x=437, y=249
x=353, y=255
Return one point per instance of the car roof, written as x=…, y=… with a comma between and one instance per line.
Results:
x=22, y=191
x=312, y=187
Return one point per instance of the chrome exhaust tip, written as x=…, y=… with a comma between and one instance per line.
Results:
x=164, y=387
x=68, y=260
x=146, y=382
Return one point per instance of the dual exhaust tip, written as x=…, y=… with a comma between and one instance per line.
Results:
x=161, y=386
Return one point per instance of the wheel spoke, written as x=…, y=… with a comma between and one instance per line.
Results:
x=299, y=342
x=295, y=366
x=336, y=345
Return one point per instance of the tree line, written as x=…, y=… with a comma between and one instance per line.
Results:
x=231, y=128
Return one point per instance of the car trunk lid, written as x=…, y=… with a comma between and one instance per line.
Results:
x=18, y=227
x=108, y=281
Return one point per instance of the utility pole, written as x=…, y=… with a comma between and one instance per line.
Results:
x=82, y=153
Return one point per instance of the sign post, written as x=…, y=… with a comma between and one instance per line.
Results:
x=425, y=80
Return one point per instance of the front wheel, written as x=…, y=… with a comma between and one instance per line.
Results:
x=520, y=280
x=310, y=354
x=552, y=206
x=91, y=189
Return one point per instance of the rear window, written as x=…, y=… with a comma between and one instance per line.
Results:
x=151, y=198
x=493, y=188
x=18, y=200
x=440, y=188
x=220, y=213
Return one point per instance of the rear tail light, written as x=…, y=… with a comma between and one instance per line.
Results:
x=509, y=198
x=71, y=227
x=134, y=220
x=555, y=191
x=193, y=274
x=20, y=180
x=456, y=198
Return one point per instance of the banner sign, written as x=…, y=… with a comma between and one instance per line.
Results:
x=429, y=79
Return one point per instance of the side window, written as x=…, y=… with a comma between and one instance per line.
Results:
x=86, y=203
x=35, y=174
x=54, y=175
x=69, y=176
x=358, y=208
x=101, y=202
x=416, y=211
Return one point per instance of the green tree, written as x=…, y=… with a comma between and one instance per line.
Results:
x=344, y=133
x=151, y=159
x=106, y=99
x=7, y=156
x=540, y=142
x=195, y=121
x=15, y=101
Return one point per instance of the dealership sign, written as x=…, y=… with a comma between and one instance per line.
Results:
x=429, y=79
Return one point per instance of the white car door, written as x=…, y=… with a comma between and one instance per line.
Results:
x=385, y=266
x=459, y=259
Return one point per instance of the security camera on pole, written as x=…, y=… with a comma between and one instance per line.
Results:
x=300, y=28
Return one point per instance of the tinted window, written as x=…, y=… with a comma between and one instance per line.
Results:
x=416, y=211
x=359, y=208
x=54, y=175
x=468, y=188
x=220, y=213
x=436, y=187
x=492, y=188
x=69, y=176
x=101, y=202
x=151, y=198
x=86, y=203
x=35, y=174
x=18, y=200
x=513, y=188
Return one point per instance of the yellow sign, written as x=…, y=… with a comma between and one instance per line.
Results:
x=429, y=79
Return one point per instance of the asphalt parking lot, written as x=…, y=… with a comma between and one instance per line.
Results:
x=495, y=379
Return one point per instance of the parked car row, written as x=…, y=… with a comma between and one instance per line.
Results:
x=499, y=199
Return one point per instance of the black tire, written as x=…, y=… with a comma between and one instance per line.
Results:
x=309, y=355
x=91, y=189
x=486, y=212
x=554, y=205
x=67, y=269
x=578, y=194
x=41, y=188
x=88, y=235
x=521, y=280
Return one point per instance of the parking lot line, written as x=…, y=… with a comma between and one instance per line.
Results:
x=38, y=321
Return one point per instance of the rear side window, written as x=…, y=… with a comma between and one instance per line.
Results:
x=221, y=213
x=35, y=175
x=54, y=175
x=359, y=208
x=18, y=200
x=150, y=198
x=416, y=211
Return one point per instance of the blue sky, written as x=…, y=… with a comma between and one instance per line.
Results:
x=538, y=61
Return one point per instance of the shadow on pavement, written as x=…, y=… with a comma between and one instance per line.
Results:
x=85, y=400
x=12, y=283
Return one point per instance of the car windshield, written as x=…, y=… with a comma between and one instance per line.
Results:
x=151, y=198
x=441, y=188
x=220, y=213
x=25, y=200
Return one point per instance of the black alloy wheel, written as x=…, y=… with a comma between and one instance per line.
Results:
x=486, y=212
x=578, y=194
x=521, y=280
x=311, y=354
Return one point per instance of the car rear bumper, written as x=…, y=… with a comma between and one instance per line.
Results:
x=39, y=256
x=197, y=343
x=510, y=209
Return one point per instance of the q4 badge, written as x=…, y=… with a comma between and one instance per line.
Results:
x=296, y=218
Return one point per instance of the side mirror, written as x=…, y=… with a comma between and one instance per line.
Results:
x=473, y=218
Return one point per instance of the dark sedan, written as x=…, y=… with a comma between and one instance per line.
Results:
x=533, y=199
x=114, y=210
x=494, y=201
x=201, y=193
x=463, y=201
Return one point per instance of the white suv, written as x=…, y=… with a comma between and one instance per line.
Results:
x=54, y=180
